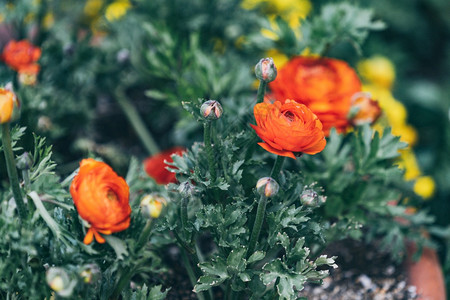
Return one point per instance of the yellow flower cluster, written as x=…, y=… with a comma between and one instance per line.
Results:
x=379, y=74
x=290, y=11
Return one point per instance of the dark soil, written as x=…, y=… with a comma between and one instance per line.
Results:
x=363, y=273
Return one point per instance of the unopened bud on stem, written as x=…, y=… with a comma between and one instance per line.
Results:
x=267, y=186
x=211, y=110
x=152, y=205
x=265, y=70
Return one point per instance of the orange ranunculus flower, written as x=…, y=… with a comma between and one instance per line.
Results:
x=155, y=166
x=101, y=198
x=288, y=128
x=364, y=109
x=7, y=99
x=325, y=85
x=20, y=54
x=28, y=74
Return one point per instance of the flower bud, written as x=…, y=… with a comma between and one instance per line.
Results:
x=24, y=162
x=60, y=282
x=265, y=70
x=152, y=205
x=186, y=189
x=309, y=198
x=211, y=110
x=9, y=105
x=90, y=273
x=364, y=109
x=267, y=186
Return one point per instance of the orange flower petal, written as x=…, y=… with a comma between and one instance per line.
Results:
x=267, y=147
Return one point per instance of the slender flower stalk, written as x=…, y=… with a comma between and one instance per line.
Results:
x=276, y=169
x=12, y=171
x=184, y=215
x=260, y=214
x=261, y=91
x=136, y=121
x=209, y=149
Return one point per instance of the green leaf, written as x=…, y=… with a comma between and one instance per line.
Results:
x=288, y=281
x=118, y=245
x=236, y=260
x=256, y=256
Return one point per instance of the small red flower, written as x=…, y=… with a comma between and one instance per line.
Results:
x=20, y=54
x=155, y=166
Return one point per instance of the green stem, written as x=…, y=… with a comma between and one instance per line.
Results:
x=184, y=216
x=124, y=279
x=136, y=121
x=128, y=272
x=145, y=234
x=209, y=150
x=260, y=214
x=12, y=171
x=277, y=167
x=261, y=91
x=26, y=179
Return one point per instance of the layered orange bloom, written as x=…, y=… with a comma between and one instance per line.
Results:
x=288, y=129
x=6, y=105
x=325, y=85
x=366, y=109
x=20, y=54
x=101, y=198
x=155, y=166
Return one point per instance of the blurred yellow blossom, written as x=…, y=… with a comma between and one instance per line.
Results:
x=290, y=11
x=425, y=187
x=117, y=9
x=378, y=70
x=409, y=163
x=92, y=8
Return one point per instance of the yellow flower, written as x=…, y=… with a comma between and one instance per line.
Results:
x=7, y=99
x=290, y=11
x=377, y=70
x=92, y=8
x=117, y=10
x=409, y=163
x=425, y=187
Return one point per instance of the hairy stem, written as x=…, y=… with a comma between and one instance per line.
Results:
x=260, y=214
x=209, y=150
x=12, y=171
x=261, y=91
x=276, y=169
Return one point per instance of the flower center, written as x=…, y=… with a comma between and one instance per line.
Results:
x=111, y=196
x=289, y=116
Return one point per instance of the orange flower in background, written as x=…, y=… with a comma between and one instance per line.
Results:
x=101, y=198
x=28, y=74
x=7, y=99
x=155, y=166
x=325, y=85
x=364, y=109
x=288, y=128
x=20, y=54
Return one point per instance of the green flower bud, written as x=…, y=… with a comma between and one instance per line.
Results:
x=310, y=198
x=211, y=110
x=267, y=186
x=186, y=189
x=152, y=205
x=24, y=162
x=265, y=70
x=90, y=273
x=60, y=282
